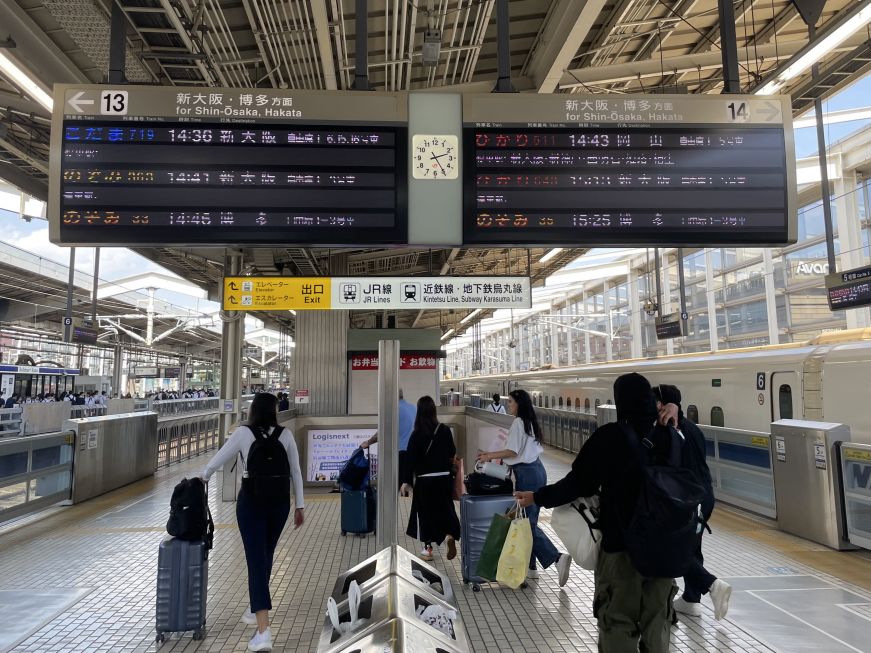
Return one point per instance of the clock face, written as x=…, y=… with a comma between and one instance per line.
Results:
x=435, y=157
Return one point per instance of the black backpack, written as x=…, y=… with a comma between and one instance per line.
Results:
x=267, y=470
x=663, y=529
x=189, y=514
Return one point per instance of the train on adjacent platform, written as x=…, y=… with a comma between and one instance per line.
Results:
x=827, y=378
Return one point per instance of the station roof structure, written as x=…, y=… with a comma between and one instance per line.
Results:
x=557, y=46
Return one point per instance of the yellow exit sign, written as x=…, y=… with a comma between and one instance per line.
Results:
x=276, y=293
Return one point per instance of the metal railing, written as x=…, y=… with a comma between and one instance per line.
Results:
x=184, y=436
x=856, y=471
x=182, y=406
x=77, y=412
x=566, y=429
x=35, y=472
x=10, y=422
x=741, y=468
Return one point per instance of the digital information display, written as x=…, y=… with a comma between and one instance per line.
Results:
x=623, y=170
x=669, y=326
x=850, y=289
x=193, y=166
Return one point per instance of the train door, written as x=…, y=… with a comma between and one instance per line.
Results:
x=785, y=394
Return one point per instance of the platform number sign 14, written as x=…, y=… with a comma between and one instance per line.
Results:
x=737, y=112
x=113, y=103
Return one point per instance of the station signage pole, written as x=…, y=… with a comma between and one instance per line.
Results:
x=386, y=527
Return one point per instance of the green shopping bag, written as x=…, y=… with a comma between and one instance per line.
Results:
x=492, y=549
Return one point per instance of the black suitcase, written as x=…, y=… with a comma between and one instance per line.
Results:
x=358, y=511
x=182, y=583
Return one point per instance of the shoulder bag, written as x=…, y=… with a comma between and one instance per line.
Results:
x=577, y=525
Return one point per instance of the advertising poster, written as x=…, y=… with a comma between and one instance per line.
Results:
x=330, y=449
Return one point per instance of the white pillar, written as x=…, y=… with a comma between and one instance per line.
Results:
x=770, y=298
x=571, y=334
x=539, y=327
x=606, y=304
x=554, y=335
x=666, y=307
x=712, y=306
x=513, y=350
x=635, y=327
x=850, y=238
x=587, y=357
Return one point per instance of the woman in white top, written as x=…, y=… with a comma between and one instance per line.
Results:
x=496, y=406
x=263, y=505
x=522, y=453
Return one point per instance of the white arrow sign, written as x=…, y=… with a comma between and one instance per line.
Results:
x=770, y=111
x=76, y=101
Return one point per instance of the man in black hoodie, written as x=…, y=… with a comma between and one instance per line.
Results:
x=628, y=606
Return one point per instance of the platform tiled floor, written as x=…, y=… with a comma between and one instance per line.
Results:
x=97, y=562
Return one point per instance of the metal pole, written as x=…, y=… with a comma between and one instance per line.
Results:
x=824, y=167
x=68, y=321
x=361, y=46
x=682, y=285
x=386, y=532
x=657, y=263
x=95, y=286
x=231, y=358
x=117, y=44
x=503, y=49
x=729, y=47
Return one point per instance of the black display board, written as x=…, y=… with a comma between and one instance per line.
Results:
x=662, y=185
x=669, y=326
x=145, y=166
x=851, y=289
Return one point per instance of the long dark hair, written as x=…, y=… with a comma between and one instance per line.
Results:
x=263, y=413
x=526, y=412
x=426, y=419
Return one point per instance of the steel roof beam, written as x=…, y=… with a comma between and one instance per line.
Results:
x=567, y=25
x=34, y=187
x=325, y=48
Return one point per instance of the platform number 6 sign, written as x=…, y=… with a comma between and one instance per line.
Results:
x=760, y=380
x=113, y=103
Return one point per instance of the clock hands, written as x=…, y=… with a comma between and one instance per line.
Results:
x=436, y=159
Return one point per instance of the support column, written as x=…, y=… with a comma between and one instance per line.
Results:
x=570, y=334
x=231, y=358
x=321, y=361
x=713, y=334
x=606, y=305
x=850, y=237
x=539, y=327
x=666, y=307
x=554, y=336
x=587, y=355
x=116, y=370
x=635, y=327
x=387, y=515
x=770, y=298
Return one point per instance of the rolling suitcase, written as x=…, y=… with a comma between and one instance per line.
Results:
x=476, y=513
x=182, y=581
x=358, y=511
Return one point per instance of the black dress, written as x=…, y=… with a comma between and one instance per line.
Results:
x=433, y=516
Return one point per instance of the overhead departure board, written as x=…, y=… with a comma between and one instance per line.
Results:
x=850, y=289
x=137, y=165
x=626, y=169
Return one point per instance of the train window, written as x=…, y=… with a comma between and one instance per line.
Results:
x=597, y=404
x=784, y=398
x=693, y=413
x=587, y=405
x=546, y=401
x=560, y=402
x=553, y=401
x=717, y=417
x=578, y=403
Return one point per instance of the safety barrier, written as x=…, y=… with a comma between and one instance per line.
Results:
x=10, y=422
x=181, y=437
x=167, y=407
x=35, y=472
x=566, y=429
x=741, y=468
x=856, y=476
x=77, y=412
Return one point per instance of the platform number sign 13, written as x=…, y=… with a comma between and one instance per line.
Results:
x=737, y=112
x=113, y=103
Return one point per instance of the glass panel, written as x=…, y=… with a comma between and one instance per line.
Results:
x=13, y=463
x=50, y=484
x=784, y=395
x=12, y=495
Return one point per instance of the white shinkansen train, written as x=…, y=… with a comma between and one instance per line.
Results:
x=827, y=378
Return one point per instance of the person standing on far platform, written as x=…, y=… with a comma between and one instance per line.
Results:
x=496, y=406
x=263, y=505
x=405, y=425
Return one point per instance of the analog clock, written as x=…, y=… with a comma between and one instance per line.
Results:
x=435, y=157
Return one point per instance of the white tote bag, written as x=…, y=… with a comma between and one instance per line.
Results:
x=576, y=524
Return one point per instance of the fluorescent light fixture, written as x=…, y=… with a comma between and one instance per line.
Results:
x=25, y=82
x=550, y=254
x=448, y=333
x=470, y=316
x=819, y=50
x=291, y=311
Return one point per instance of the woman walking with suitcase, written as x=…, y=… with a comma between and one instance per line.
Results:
x=431, y=451
x=523, y=454
x=270, y=459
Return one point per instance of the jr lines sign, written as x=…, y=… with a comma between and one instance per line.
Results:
x=367, y=293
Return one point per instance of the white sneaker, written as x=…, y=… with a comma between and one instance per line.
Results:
x=261, y=641
x=532, y=573
x=563, y=567
x=687, y=608
x=249, y=617
x=720, y=594
x=426, y=555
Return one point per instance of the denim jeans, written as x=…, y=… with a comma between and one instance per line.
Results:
x=530, y=477
x=260, y=525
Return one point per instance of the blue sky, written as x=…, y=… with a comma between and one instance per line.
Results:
x=856, y=96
